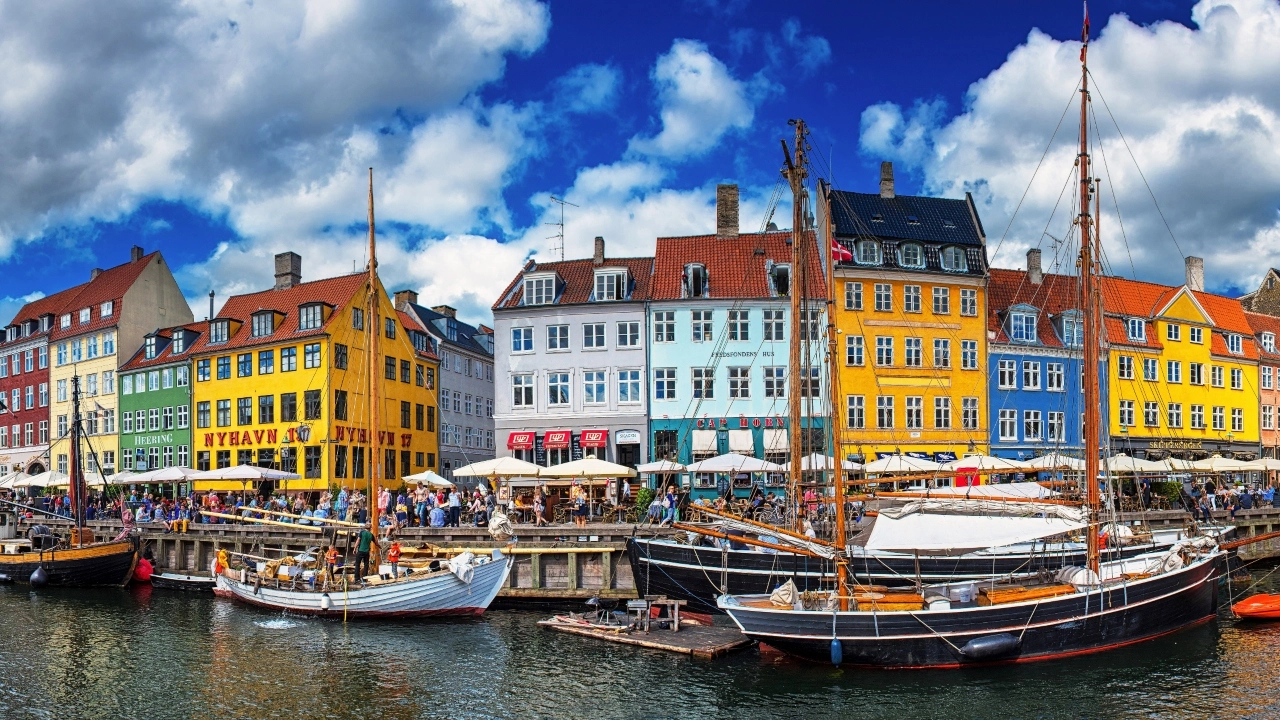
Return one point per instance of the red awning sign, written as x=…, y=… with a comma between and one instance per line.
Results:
x=520, y=441
x=556, y=439
x=593, y=438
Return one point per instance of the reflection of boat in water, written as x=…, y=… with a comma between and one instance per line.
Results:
x=186, y=583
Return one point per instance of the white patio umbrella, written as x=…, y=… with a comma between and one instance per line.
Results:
x=1173, y=464
x=162, y=475
x=1122, y=463
x=121, y=478
x=588, y=467
x=45, y=479
x=429, y=479
x=499, y=467
x=1217, y=463
x=733, y=463
x=661, y=467
x=818, y=461
x=1054, y=460
x=244, y=472
x=1259, y=465
x=8, y=480
x=900, y=464
x=983, y=463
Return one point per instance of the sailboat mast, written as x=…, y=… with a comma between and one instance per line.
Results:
x=796, y=174
x=375, y=428
x=1092, y=310
x=76, y=488
x=837, y=469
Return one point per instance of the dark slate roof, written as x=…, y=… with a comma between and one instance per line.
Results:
x=437, y=324
x=937, y=220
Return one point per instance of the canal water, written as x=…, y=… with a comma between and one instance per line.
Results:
x=153, y=655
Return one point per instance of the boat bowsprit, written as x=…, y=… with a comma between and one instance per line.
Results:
x=1258, y=607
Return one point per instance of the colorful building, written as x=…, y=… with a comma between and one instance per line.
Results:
x=1265, y=330
x=155, y=400
x=911, y=314
x=106, y=320
x=281, y=379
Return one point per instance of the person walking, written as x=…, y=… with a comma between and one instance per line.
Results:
x=420, y=504
x=363, y=545
x=455, y=507
x=393, y=557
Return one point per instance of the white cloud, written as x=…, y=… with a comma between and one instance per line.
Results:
x=701, y=101
x=1200, y=109
x=588, y=88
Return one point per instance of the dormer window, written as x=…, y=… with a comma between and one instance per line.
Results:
x=218, y=331
x=84, y=316
x=1136, y=329
x=877, y=217
x=1022, y=325
x=954, y=259
x=1269, y=342
x=611, y=285
x=65, y=320
x=948, y=223
x=1234, y=344
x=179, y=341
x=29, y=328
x=780, y=280
x=45, y=323
x=149, y=347
x=540, y=290
x=310, y=316
x=264, y=324
x=1071, y=328
x=868, y=252
x=108, y=308
x=913, y=220
x=695, y=281
x=910, y=255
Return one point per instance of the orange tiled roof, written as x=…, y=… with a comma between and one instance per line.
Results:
x=1264, y=324
x=111, y=284
x=166, y=355
x=735, y=265
x=335, y=292
x=50, y=305
x=1054, y=295
x=578, y=277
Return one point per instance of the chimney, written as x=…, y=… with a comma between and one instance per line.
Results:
x=405, y=298
x=886, y=180
x=597, y=257
x=727, y=211
x=446, y=311
x=1034, y=273
x=1195, y=273
x=288, y=270
x=94, y=273
x=135, y=253
x=210, y=306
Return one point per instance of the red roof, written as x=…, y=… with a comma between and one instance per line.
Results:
x=578, y=278
x=1264, y=324
x=51, y=305
x=166, y=355
x=111, y=284
x=736, y=265
x=1054, y=295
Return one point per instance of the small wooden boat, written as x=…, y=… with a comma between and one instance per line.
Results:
x=1258, y=607
x=187, y=583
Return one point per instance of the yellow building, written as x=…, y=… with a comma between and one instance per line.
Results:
x=1182, y=370
x=102, y=327
x=281, y=379
x=911, y=322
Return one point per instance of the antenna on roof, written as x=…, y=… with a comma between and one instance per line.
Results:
x=558, y=248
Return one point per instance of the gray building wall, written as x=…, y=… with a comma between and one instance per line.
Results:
x=461, y=383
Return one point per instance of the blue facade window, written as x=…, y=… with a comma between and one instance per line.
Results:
x=1022, y=327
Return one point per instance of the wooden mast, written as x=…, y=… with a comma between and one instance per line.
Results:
x=375, y=459
x=76, y=489
x=833, y=414
x=796, y=174
x=1092, y=310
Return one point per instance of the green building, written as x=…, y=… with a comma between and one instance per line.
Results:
x=155, y=401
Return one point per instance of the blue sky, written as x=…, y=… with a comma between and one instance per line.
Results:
x=222, y=133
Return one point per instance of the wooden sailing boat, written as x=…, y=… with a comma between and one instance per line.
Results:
x=1081, y=610
x=77, y=560
x=464, y=585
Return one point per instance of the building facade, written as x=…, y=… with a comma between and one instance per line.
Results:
x=155, y=400
x=911, y=313
x=720, y=327
x=570, y=349
x=1265, y=330
x=466, y=382
x=281, y=380
x=107, y=320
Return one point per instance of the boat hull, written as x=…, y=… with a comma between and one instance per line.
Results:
x=1258, y=607
x=436, y=594
x=184, y=583
x=1060, y=627
x=96, y=565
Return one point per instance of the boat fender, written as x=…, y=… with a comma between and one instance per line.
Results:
x=990, y=646
x=39, y=578
x=6, y=578
x=257, y=585
x=837, y=652
x=326, y=603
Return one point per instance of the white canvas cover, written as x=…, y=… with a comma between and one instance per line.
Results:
x=775, y=440
x=934, y=534
x=1032, y=490
x=740, y=442
x=705, y=441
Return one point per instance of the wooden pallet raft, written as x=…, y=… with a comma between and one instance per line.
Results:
x=697, y=641
x=1001, y=595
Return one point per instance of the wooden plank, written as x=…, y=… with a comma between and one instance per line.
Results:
x=695, y=641
x=999, y=596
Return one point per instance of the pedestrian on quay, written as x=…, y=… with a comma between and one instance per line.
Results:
x=393, y=557
x=331, y=559
x=455, y=507
x=420, y=504
x=342, y=503
x=363, y=544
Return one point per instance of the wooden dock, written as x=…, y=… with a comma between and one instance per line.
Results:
x=699, y=641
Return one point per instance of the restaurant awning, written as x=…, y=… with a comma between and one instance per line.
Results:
x=520, y=441
x=556, y=439
x=593, y=438
x=705, y=441
x=740, y=442
x=775, y=440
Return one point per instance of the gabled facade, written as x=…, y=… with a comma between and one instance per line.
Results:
x=155, y=400
x=1266, y=299
x=911, y=311
x=1266, y=328
x=569, y=342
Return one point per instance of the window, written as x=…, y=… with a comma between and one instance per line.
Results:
x=1055, y=426
x=593, y=336
x=969, y=413
x=1054, y=377
x=311, y=401
x=884, y=297
x=628, y=388
x=775, y=327
x=1268, y=373
x=1173, y=371
x=856, y=418
x=702, y=325
x=1219, y=418
x=1136, y=329
x=914, y=412
x=149, y=347
x=522, y=390
x=202, y=414
x=153, y=380
x=84, y=316
x=611, y=286
x=311, y=355
x=1150, y=369
x=775, y=382
x=183, y=416
x=1237, y=420
x=911, y=298
x=1022, y=327
x=1031, y=428
x=942, y=413
x=62, y=360
x=224, y=367
x=1009, y=425
x=740, y=325
x=910, y=255
x=1195, y=373
x=202, y=370
x=44, y=394
x=522, y=339
x=419, y=375
x=1126, y=413
x=1197, y=417
x=288, y=407
x=1124, y=367
x=628, y=334
x=884, y=351
x=1237, y=379
x=913, y=352
x=884, y=411
x=65, y=320
x=1151, y=414
x=1268, y=342
x=166, y=419
x=31, y=392
x=404, y=370
x=218, y=331
x=166, y=379
x=310, y=317
x=1234, y=346
x=288, y=359
x=224, y=413
x=1173, y=416
x=44, y=356
x=968, y=354
x=244, y=411
x=953, y=259
x=1215, y=375
x=1007, y=374
x=941, y=301
x=1196, y=334
x=969, y=303
x=539, y=291
x=664, y=326
x=1030, y=376
x=558, y=388
x=1172, y=331
x=704, y=383
x=780, y=280
x=244, y=365
x=853, y=297
x=740, y=382
x=389, y=368
x=77, y=354
x=664, y=384
x=853, y=350
x=593, y=387
x=1268, y=417
x=264, y=324
x=868, y=252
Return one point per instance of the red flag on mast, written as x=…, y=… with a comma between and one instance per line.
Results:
x=839, y=252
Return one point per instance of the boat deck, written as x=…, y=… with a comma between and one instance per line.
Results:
x=699, y=641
